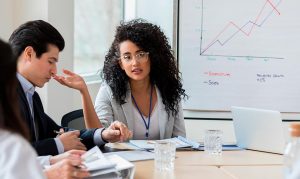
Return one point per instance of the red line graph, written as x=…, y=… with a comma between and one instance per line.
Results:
x=240, y=28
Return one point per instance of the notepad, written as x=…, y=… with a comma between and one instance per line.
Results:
x=106, y=166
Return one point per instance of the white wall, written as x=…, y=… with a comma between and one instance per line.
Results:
x=6, y=19
x=59, y=100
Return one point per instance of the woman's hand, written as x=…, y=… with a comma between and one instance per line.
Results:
x=71, y=80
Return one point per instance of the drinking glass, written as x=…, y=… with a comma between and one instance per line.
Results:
x=164, y=155
x=213, y=142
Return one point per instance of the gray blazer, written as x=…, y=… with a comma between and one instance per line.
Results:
x=109, y=110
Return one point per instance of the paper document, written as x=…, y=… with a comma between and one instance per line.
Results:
x=149, y=144
x=95, y=160
x=181, y=142
x=108, y=167
x=123, y=169
x=121, y=146
x=132, y=156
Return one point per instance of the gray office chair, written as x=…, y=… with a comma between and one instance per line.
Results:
x=74, y=120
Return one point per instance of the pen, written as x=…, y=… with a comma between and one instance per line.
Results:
x=61, y=132
x=150, y=142
x=58, y=132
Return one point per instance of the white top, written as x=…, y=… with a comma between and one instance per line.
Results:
x=17, y=158
x=139, y=128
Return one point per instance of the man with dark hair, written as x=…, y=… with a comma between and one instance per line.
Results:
x=37, y=45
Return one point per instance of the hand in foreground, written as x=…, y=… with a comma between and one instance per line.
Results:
x=71, y=80
x=67, y=169
x=71, y=140
x=71, y=154
x=116, y=132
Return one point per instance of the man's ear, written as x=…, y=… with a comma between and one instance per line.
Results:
x=28, y=53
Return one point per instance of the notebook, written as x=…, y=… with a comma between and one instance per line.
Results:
x=149, y=144
x=258, y=129
x=182, y=143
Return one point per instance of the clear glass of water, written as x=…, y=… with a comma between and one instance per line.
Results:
x=213, y=142
x=164, y=155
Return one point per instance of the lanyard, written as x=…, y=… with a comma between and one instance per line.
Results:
x=145, y=123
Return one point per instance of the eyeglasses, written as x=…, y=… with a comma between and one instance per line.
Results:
x=141, y=57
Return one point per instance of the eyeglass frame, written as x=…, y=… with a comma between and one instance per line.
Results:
x=136, y=57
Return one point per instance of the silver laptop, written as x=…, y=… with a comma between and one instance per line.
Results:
x=258, y=129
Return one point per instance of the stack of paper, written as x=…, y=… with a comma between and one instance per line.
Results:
x=132, y=156
x=109, y=167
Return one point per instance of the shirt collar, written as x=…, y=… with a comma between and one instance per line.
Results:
x=26, y=85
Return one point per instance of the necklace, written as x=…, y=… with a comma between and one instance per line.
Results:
x=147, y=126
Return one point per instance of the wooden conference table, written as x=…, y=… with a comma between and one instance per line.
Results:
x=243, y=164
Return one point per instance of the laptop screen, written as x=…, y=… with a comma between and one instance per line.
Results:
x=258, y=129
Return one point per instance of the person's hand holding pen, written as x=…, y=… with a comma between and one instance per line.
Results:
x=116, y=132
x=61, y=131
x=71, y=140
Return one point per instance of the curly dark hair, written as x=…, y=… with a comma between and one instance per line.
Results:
x=164, y=72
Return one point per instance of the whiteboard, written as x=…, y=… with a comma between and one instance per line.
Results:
x=240, y=53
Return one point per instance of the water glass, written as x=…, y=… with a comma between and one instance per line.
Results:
x=213, y=142
x=164, y=155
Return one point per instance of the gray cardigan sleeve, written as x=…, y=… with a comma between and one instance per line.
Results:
x=103, y=105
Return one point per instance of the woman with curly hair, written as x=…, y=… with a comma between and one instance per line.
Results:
x=142, y=85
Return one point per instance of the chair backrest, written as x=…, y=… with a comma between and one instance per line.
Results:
x=73, y=120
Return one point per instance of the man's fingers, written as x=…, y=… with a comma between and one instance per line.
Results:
x=81, y=148
x=76, y=132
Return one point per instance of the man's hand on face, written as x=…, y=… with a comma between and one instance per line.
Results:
x=116, y=132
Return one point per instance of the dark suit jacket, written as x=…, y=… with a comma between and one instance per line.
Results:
x=45, y=144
